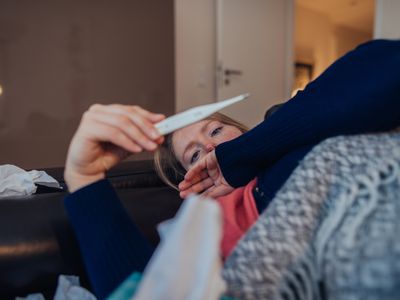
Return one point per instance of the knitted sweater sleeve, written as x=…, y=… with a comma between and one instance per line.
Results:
x=358, y=93
x=111, y=245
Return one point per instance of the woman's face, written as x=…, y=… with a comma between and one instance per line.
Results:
x=194, y=141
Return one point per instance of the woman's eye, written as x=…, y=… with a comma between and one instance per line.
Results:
x=194, y=157
x=216, y=131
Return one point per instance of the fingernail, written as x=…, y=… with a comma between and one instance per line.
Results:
x=152, y=145
x=155, y=134
x=137, y=149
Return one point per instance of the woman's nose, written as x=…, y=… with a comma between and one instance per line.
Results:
x=210, y=147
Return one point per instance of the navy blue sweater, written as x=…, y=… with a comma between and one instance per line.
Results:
x=358, y=93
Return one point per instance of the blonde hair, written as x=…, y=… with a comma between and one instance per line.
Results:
x=167, y=165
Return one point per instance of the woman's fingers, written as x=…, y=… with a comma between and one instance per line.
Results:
x=143, y=119
x=99, y=131
x=217, y=191
x=106, y=135
x=196, y=171
x=209, y=163
x=204, y=177
x=185, y=184
x=153, y=117
x=123, y=123
x=112, y=155
x=95, y=148
x=197, y=188
x=124, y=126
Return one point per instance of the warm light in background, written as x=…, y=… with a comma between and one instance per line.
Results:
x=1, y=90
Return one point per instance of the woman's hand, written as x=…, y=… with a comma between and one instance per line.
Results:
x=206, y=177
x=106, y=135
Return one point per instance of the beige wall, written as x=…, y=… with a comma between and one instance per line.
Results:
x=318, y=41
x=348, y=38
x=194, y=52
x=58, y=57
x=314, y=41
x=387, y=19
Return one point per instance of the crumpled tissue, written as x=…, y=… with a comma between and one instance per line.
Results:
x=68, y=288
x=15, y=181
x=187, y=263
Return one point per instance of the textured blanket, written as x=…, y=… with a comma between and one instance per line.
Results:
x=332, y=231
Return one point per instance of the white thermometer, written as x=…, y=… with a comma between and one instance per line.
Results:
x=194, y=114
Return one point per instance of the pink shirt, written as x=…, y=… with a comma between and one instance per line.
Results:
x=239, y=213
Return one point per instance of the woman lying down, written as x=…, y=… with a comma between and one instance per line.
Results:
x=302, y=219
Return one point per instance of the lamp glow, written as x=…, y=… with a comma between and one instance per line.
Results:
x=1, y=90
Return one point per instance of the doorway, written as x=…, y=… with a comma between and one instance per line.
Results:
x=325, y=30
x=254, y=55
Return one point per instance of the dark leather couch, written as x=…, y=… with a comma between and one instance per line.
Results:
x=37, y=242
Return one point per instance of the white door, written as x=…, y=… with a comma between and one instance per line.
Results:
x=254, y=54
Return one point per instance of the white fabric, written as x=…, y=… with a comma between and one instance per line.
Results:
x=187, y=264
x=68, y=288
x=15, y=181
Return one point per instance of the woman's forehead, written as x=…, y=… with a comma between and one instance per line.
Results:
x=191, y=128
x=187, y=134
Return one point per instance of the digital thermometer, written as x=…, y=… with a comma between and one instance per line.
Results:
x=194, y=115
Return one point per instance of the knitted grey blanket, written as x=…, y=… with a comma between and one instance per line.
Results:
x=332, y=231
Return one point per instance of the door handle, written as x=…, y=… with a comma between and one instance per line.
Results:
x=229, y=72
